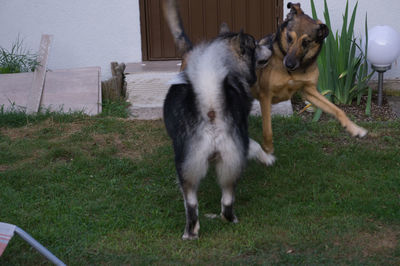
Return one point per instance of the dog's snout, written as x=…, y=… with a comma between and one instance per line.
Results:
x=263, y=53
x=291, y=64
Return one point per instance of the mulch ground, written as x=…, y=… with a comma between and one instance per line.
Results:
x=354, y=111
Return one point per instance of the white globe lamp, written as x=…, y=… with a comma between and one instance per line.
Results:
x=383, y=50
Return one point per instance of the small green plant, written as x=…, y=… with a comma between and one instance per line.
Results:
x=343, y=71
x=117, y=108
x=18, y=59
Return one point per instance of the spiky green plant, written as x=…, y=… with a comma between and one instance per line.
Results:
x=343, y=71
x=18, y=59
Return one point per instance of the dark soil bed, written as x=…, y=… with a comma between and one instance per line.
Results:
x=353, y=111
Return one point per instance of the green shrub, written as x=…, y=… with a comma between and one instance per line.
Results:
x=18, y=59
x=343, y=71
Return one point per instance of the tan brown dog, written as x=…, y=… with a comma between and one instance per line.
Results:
x=293, y=67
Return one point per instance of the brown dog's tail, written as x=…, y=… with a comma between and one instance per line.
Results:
x=171, y=14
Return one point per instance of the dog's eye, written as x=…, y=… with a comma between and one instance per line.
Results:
x=289, y=39
x=305, y=43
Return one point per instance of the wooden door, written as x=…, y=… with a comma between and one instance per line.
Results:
x=201, y=19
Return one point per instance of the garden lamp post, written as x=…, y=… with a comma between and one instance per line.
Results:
x=383, y=50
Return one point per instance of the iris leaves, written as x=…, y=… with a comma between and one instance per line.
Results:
x=342, y=63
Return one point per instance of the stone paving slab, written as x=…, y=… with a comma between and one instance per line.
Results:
x=147, y=86
x=155, y=113
x=73, y=90
x=14, y=90
x=67, y=90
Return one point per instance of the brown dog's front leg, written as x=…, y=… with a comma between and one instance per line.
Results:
x=265, y=103
x=312, y=95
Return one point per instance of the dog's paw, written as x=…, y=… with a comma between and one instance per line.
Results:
x=267, y=159
x=191, y=231
x=357, y=131
x=256, y=152
x=362, y=132
x=187, y=236
x=233, y=219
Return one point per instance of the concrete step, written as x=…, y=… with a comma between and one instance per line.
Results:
x=147, y=86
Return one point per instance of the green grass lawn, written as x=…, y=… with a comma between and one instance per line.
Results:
x=103, y=191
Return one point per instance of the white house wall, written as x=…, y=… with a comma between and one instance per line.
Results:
x=97, y=32
x=86, y=32
x=380, y=12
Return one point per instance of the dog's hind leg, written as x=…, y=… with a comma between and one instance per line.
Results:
x=229, y=168
x=256, y=152
x=193, y=169
x=227, y=200
x=192, y=227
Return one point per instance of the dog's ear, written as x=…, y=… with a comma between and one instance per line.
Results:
x=224, y=28
x=295, y=9
x=322, y=32
x=242, y=42
x=263, y=51
x=236, y=42
x=267, y=40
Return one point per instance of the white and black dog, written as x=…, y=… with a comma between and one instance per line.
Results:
x=206, y=113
